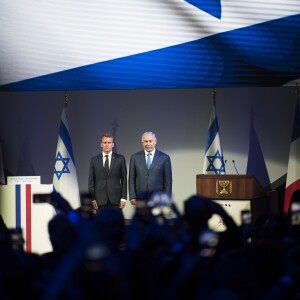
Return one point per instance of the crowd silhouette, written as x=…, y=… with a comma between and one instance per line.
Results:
x=161, y=254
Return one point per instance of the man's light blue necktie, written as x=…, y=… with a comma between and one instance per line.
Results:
x=148, y=160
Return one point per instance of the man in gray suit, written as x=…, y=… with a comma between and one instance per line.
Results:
x=149, y=171
x=108, y=177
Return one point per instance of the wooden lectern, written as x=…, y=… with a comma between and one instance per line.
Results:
x=235, y=193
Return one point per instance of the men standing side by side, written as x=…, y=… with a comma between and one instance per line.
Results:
x=108, y=177
x=150, y=171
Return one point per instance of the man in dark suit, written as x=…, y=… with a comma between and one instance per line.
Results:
x=149, y=171
x=108, y=177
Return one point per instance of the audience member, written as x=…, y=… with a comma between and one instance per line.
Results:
x=161, y=254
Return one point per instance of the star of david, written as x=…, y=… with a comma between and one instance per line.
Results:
x=211, y=167
x=62, y=163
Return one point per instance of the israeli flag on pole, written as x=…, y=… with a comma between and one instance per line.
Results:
x=213, y=160
x=65, y=177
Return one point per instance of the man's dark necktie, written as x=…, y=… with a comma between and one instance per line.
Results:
x=106, y=164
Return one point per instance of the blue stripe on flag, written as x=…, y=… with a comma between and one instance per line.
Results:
x=212, y=132
x=65, y=136
x=212, y=7
x=18, y=206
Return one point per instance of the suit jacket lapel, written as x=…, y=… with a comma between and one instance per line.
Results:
x=113, y=160
x=100, y=160
x=142, y=161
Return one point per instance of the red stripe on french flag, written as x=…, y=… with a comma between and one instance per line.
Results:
x=28, y=219
x=289, y=193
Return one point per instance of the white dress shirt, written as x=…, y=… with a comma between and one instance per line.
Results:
x=151, y=156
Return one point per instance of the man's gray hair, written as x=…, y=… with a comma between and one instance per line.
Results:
x=148, y=132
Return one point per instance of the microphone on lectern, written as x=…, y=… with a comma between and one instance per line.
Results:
x=235, y=167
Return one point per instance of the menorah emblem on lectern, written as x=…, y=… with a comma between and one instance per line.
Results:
x=223, y=187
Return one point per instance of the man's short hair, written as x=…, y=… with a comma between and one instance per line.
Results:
x=107, y=135
x=148, y=132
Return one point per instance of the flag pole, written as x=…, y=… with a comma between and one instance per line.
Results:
x=66, y=98
x=214, y=92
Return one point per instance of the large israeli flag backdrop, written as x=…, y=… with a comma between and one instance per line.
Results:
x=138, y=44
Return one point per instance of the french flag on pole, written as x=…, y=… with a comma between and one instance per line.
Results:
x=65, y=177
x=293, y=172
x=213, y=160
